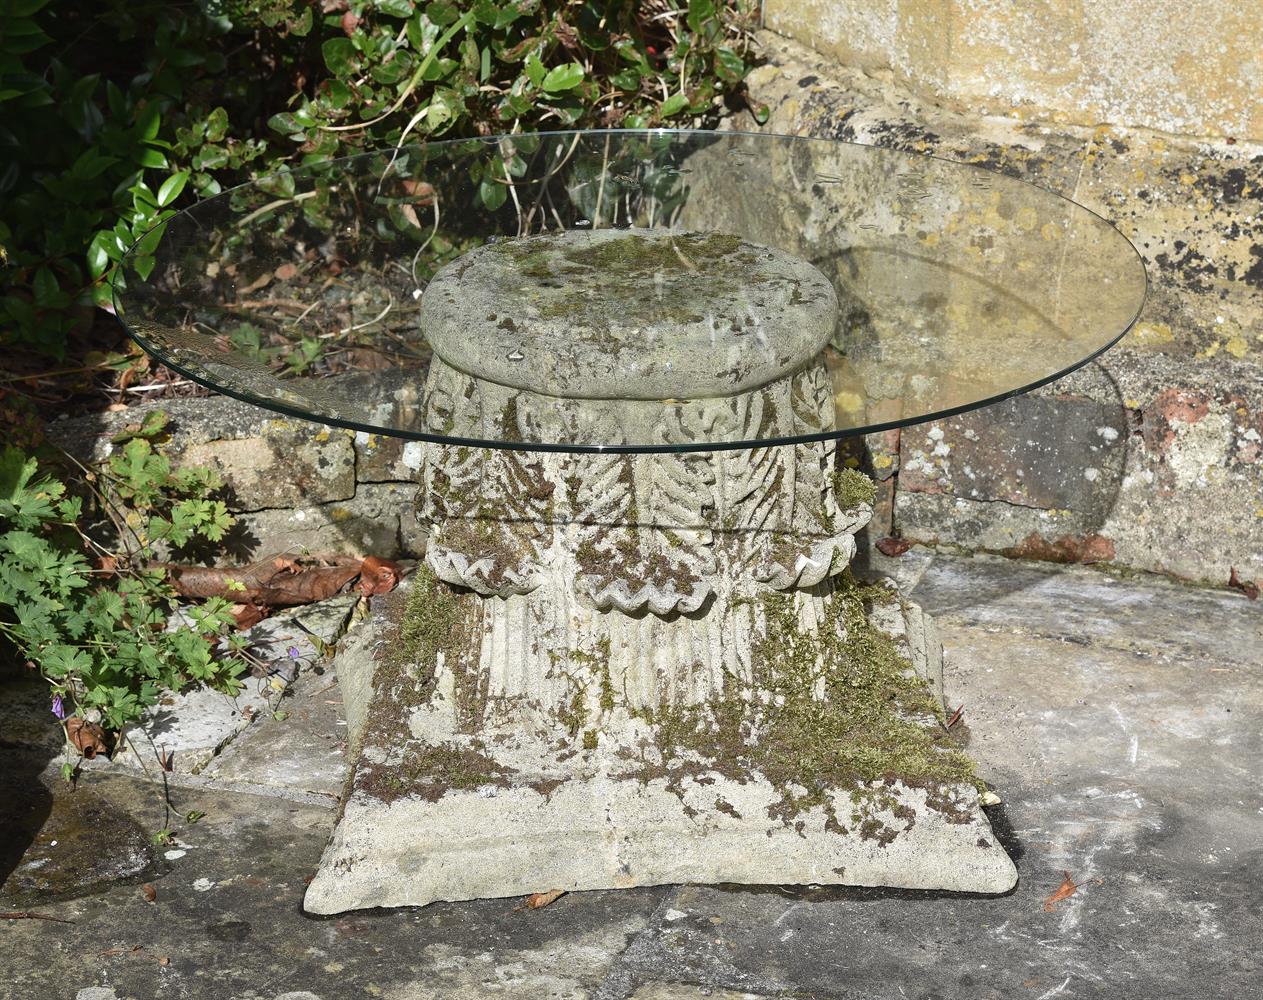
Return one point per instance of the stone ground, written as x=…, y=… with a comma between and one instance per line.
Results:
x=1121, y=720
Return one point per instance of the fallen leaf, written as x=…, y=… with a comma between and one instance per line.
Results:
x=163, y=960
x=246, y=615
x=255, y=285
x=149, y=892
x=87, y=737
x=378, y=576
x=366, y=359
x=1064, y=891
x=893, y=546
x=1250, y=590
x=285, y=272
x=956, y=717
x=538, y=900
x=410, y=213
x=422, y=191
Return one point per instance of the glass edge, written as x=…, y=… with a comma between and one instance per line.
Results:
x=242, y=396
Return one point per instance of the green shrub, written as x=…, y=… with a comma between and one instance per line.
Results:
x=114, y=113
x=96, y=628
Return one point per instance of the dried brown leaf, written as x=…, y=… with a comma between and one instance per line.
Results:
x=378, y=576
x=538, y=900
x=1064, y=891
x=87, y=737
x=149, y=892
x=282, y=581
x=286, y=271
x=890, y=546
x=249, y=614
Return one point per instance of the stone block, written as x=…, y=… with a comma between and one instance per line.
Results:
x=194, y=726
x=1177, y=491
x=366, y=524
x=1186, y=66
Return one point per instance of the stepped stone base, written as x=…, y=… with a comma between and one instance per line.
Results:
x=433, y=814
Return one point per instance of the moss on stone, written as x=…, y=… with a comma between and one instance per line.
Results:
x=851, y=489
x=837, y=710
x=434, y=618
x=430, y=771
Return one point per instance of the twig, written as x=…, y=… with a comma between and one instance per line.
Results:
x=361, y=326
x=263, y=210
x=600, y=190
x=28, y=915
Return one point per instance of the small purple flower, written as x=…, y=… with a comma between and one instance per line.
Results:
x=59, y=707
x=293, y=652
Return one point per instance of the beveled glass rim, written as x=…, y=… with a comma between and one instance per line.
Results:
x=649, y=448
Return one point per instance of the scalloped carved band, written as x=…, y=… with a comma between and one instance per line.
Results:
x=663, y=533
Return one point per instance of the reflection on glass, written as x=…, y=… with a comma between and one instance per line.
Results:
x=947, y=285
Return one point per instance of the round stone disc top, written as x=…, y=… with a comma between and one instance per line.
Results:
x=628, y=313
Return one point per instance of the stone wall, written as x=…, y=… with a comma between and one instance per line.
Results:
x=1150, y=459
x=1183, y=66
x=294, y=486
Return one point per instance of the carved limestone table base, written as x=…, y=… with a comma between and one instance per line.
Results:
x=633, y=669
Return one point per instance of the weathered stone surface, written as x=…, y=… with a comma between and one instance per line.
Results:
x=293, y=485
x=267, y=470
x=302, y=751
x=1186, y=383
x=432, y=813
x=1060, y=669
x=654, y=664
x=193, y=727
x=1173, y=66
x=628, y=313
x=377, y=521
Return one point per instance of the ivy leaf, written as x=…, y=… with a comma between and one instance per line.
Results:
x=491, y=194
x=535, y=70
x=394, y=8
x=442, y=13
x=564, y=77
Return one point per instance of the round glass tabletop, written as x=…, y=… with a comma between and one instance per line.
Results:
x=630, y=290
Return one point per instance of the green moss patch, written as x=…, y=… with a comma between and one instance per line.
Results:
x=837, y=710
x=434, y=617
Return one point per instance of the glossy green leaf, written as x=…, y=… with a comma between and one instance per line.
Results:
x=394, y=8
x=563, y=77
x=442, y=12
x=339, y=55
x=171, y=188
x=492, y=195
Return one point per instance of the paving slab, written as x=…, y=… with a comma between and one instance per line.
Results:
x=1119, y=719
x=193, y=727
